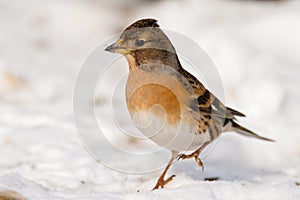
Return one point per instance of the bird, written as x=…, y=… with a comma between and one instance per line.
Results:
x=166, y=102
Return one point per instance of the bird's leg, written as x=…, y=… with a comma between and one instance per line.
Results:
x=194, y=155
x=161, y=182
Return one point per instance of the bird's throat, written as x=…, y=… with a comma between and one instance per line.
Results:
x=131, y=61
x=150, y=57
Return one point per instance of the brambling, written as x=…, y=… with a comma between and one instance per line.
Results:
x=167, y=103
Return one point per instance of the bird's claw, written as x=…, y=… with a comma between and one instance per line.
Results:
x=183, y=156
x=193, y=155
x=200, y=163
x=161, y=182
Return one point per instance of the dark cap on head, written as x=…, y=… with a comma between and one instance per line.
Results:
x=143, y=23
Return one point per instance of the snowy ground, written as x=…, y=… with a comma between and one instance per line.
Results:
x=254, y=45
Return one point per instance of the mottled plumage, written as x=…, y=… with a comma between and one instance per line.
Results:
x=167, y=103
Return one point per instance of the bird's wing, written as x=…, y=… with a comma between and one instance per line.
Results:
x=205, y=102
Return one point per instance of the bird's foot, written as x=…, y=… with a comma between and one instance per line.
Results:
x=161, y=182
x=194, y=155
x=199, y=162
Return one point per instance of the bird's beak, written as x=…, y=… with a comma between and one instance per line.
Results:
x=118, y=47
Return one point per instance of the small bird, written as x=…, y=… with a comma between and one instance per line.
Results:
x=167, y=103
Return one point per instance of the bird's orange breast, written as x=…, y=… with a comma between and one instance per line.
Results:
x=146, y=90
x=147, y=97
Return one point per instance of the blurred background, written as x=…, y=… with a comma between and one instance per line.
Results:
x=255, y=46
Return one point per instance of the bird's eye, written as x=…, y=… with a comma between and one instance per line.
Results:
x=139, y=42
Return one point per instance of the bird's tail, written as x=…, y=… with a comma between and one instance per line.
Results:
x=244, y=131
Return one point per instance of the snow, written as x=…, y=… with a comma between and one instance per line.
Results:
x=254, y=46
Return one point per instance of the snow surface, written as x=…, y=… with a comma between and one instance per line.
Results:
x=254, y=45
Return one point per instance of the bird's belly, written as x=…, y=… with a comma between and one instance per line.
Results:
x=177, y=137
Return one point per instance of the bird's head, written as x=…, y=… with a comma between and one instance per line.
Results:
x=142, y=34
x=146, y=43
